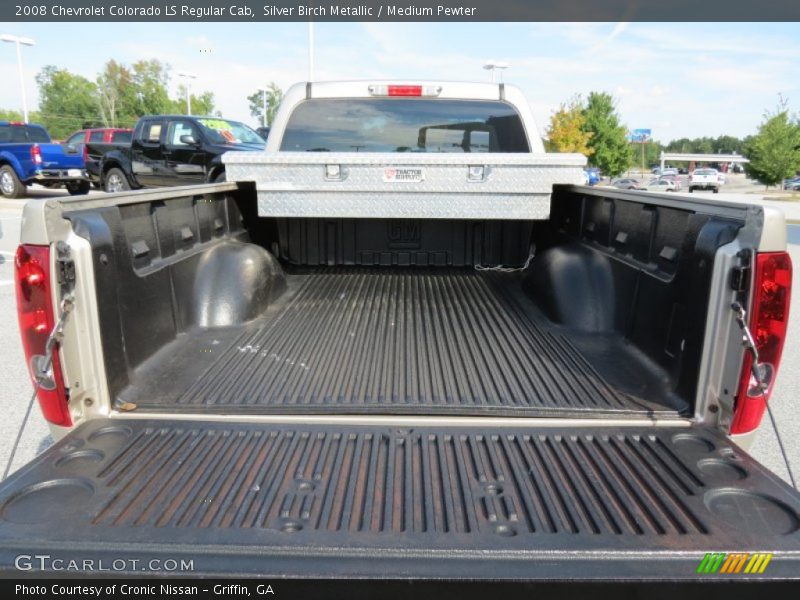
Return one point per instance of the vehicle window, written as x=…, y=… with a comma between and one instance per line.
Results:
x=76, y=139
x=21, y=134
x=222, y=131
x=37, y=135
x=705, y=172
x=122, y=137
x=96, y=136
x=404, y=125
x=151, y=132
x=177, y=129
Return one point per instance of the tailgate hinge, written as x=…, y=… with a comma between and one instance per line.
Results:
x=65, y=268
x=742, y=273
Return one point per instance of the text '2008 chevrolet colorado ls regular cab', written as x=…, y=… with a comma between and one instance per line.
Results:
x=403, y=343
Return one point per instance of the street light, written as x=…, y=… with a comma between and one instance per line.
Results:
x=264, y=92
x=25, y=42
x=494, y=65
x=188, y=77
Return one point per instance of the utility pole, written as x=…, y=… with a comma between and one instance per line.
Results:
x=311, y=50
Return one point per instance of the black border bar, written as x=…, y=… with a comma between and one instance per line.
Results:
x=399, y=10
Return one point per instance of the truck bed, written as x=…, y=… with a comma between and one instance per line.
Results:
x=312, y=500
x=454, y=341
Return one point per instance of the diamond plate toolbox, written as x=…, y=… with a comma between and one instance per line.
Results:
x=403, y=185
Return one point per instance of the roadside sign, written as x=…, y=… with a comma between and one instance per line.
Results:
x=640, y=136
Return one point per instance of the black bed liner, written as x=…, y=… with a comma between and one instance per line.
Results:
x=461, y=501
x=416, y=342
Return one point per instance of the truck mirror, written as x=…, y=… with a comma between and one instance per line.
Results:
x=189, y=140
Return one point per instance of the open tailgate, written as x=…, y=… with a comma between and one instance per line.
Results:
x=437, y=501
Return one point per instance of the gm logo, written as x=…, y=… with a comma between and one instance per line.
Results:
x=734, y=563
x=404, y=233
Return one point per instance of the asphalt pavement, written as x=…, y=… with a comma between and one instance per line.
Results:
x=15, y=387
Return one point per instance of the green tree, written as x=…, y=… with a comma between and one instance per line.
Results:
x=66, y=101
x=274, y=96
x=774, y=152
x=151, y=81
x=566, y=132
x=611, y=151
x=116, y=95
x=202, y=104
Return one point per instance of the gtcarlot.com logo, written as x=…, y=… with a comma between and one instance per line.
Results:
x=46, y=562
x=734, y=563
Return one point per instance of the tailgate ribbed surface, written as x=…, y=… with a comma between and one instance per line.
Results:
x=398, y=341
x=429, y=482
x=346, y=500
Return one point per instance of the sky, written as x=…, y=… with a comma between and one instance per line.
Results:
x=678, y=79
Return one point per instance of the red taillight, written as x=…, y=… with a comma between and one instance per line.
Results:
x=36, y=321
x=404, y=90
x=769, y=318
x=36, y=154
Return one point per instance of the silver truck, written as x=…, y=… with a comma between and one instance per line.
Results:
x=402, y=343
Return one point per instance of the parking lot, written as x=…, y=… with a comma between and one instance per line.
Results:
x=15, y=388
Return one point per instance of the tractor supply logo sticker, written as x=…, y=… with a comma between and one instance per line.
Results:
x=403, y=175
x=734, y=563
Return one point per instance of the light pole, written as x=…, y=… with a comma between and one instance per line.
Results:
x=493, y=65
x=311, y=50
x=188, y=77
x=24, y=42
x=264, y=91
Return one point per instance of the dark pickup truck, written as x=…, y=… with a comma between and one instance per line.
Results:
x=168, y=150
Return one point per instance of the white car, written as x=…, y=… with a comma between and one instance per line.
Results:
x=661, y=185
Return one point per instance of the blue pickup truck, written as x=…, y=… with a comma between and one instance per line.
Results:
x=27, y=155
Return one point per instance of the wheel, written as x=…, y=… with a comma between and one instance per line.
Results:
x=78, y=188
x=715, y=190
x=691, y=190
x=220, y=178
x=10, y=185
x=116, y=181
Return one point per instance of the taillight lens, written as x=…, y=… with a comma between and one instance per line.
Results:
x=36, y=154
x=769, y=318
x=405, y=90
x=36, y=321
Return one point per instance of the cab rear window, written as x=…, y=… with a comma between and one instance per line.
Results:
x=404, y=125
x=23, y=134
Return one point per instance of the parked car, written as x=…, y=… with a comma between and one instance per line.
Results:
x=675, y=179
x=661, y=185
x=792, y=184
x=670, y=171
x=263, y=132
x=591, y=176
x=301, y=373
x=172, y=150
x=28, y=156
x=627, y=184
x=80, y=140
x=704, y=179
